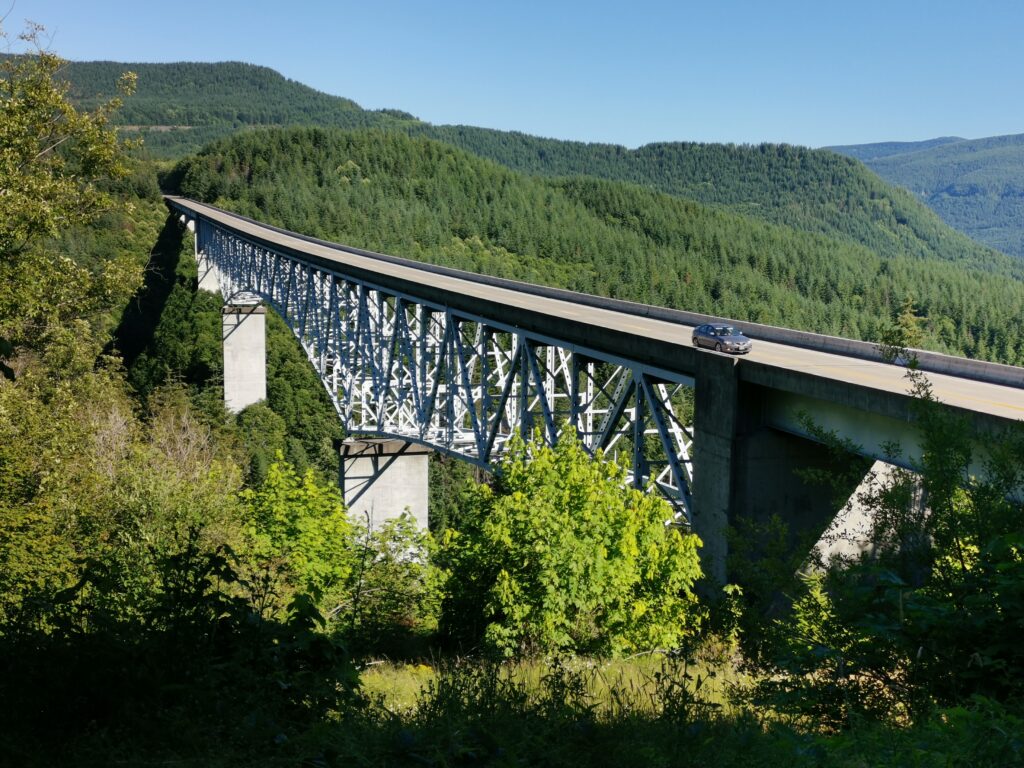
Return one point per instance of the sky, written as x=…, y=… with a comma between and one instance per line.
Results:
x=812, y=73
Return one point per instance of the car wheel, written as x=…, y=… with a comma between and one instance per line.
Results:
x=718, y=347
x=695, y=342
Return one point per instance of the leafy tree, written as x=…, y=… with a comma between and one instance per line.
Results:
x=299, y=533
x=395, y=589
x=52, y=162
x=52, y=157
x=905, y=332
x=263, y=434
x=564, y=557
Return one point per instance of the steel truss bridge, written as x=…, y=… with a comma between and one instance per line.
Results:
x=398, y=365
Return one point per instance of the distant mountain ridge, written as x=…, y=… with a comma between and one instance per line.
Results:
x=810, y=190
x=976, y=186
x=813, y=191
x=865, y=152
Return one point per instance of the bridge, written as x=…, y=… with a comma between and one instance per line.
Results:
x=461, y=362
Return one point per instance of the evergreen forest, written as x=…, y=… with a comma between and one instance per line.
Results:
x=178, y=108
x=181, y=585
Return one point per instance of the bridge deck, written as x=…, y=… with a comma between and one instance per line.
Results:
x=600, y=324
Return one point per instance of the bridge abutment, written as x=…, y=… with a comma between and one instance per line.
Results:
x=381, y=479
x=245, y=355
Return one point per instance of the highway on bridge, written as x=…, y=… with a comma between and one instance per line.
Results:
x=965, y=392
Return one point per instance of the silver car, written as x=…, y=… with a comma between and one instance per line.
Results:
x=721, y=338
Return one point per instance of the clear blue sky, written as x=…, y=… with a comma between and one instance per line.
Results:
x=813, y=73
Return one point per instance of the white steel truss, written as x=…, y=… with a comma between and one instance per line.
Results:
x=395, y=365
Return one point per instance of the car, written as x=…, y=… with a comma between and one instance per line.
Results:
x=721, y=338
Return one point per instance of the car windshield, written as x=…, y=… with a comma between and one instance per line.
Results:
x=724, y=330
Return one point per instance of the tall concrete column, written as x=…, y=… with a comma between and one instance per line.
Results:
x=716, y=416
x=746, y=469
x=381, y=479
x=209, y=280
x=245, y=355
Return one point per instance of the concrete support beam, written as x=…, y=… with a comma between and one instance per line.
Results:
x=850, y=534
x=245, y=355
x=381, y=479
x=716, y=415
x=746, y=468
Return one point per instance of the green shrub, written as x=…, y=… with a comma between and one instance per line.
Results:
x=563, y=556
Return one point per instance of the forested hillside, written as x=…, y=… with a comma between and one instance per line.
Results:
x=976, y=186
x=809, y=190
x=186, y=105
x=427, y=200
x=180, y=107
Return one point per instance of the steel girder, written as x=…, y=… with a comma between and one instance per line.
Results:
x=397, y=366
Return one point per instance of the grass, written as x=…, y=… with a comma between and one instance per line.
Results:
x=610, y=686
x=646, y=711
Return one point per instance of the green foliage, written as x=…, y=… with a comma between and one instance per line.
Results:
x=395, y=590
x=56, y=169
x=122, y=613
x=185, y=342
x=172, y=333
x=51, y=155
x=264, y=435
x=904, y=334
x=191, y=668
x=298, y=532
x=931, y=617
x=451, y=484
x=562, y=557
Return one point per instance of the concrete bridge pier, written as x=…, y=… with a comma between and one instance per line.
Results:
x=382, y=478
x=716, y=412
x=245, y=354
x=207, y=272
x=746, y=469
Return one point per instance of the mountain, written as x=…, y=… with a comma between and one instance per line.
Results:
x=178, y=108
x=810, y=190
x=866, y=152
x=976, y=186
x=183, y=106
x=428, y=200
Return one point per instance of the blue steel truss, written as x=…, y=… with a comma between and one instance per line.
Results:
x=395, y=365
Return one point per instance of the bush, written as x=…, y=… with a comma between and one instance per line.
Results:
x=565, y=557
